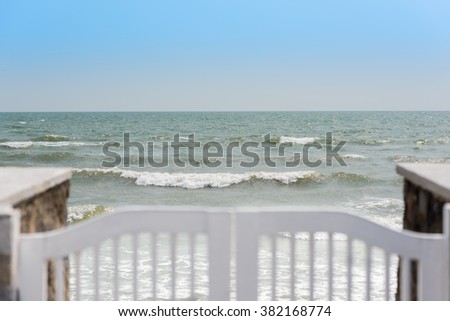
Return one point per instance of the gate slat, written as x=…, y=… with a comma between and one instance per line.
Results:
x=135, y=266
x=293, y=261
x=77, y=275
x=368, y=272
x=387, y=271
x=116, y=259
x=97, y=271
x=192, y=246
x=154, y=265
x=173, y=244
x=311, y=266
x=330, y=266
x=59, y=279
x=274, y=266
x=405, y=279
x=349, y=268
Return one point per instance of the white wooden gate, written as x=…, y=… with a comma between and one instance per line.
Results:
x=430, y=250
x=36, y=250
x=294, y=226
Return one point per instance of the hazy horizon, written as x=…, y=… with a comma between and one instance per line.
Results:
x=390, y=110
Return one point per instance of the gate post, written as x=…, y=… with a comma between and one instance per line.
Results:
x=9, y=233
x=426, y=190
x=39, y=196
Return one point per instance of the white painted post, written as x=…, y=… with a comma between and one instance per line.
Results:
x=32, y=270
x=9, y=238
x=434, y=271
x=446, y=227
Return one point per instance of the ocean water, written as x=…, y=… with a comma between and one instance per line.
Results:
x=366, y=184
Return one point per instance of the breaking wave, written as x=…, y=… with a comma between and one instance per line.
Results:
x=414, y=159
x=374, y=142
x=51, y=138
x=17, y=145
x=219, y=180
x=79, y=213
x=201, y=180
x=384, y=211
x=348, y=177
x=353, y=156
x=297, y=140
x=56, y=143
x=440, y=140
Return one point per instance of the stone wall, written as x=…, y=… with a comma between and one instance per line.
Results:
x=46, y=211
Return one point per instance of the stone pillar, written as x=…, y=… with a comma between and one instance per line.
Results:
x=39, y=196
x=426, y=189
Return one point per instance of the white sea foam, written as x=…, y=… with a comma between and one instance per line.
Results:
x=346, y=156
x=65, y=144
x=202, y=180
x=421, y=141
x=52, y=137
x=414, y=159
x=439, y=140
x=372, y=141
x=17, y=144
x=384, y=211
x=297, y=140
x=353, y=156
x=371, y=203
x=444, y=140
x=403, y=158
x=48, y=144
x=80, y=212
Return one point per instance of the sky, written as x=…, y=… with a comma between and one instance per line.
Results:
x=205, y=55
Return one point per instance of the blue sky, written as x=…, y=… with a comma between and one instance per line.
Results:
x=224, y=55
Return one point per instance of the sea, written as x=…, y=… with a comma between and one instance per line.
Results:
x=343, y=160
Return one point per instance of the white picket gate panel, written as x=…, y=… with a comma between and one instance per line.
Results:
x=430, y=250
x=37, y=249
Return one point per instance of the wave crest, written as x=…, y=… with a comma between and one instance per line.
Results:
x=219, y=180
x=56, y=143
x=353, y=156
x=374, y=142
x=350, y=177
x=297, y=140
x=201, y=180
x=51, y=138
x=80, y=213
x=17, y=145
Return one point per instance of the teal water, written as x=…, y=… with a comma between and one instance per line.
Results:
x=368, y=185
